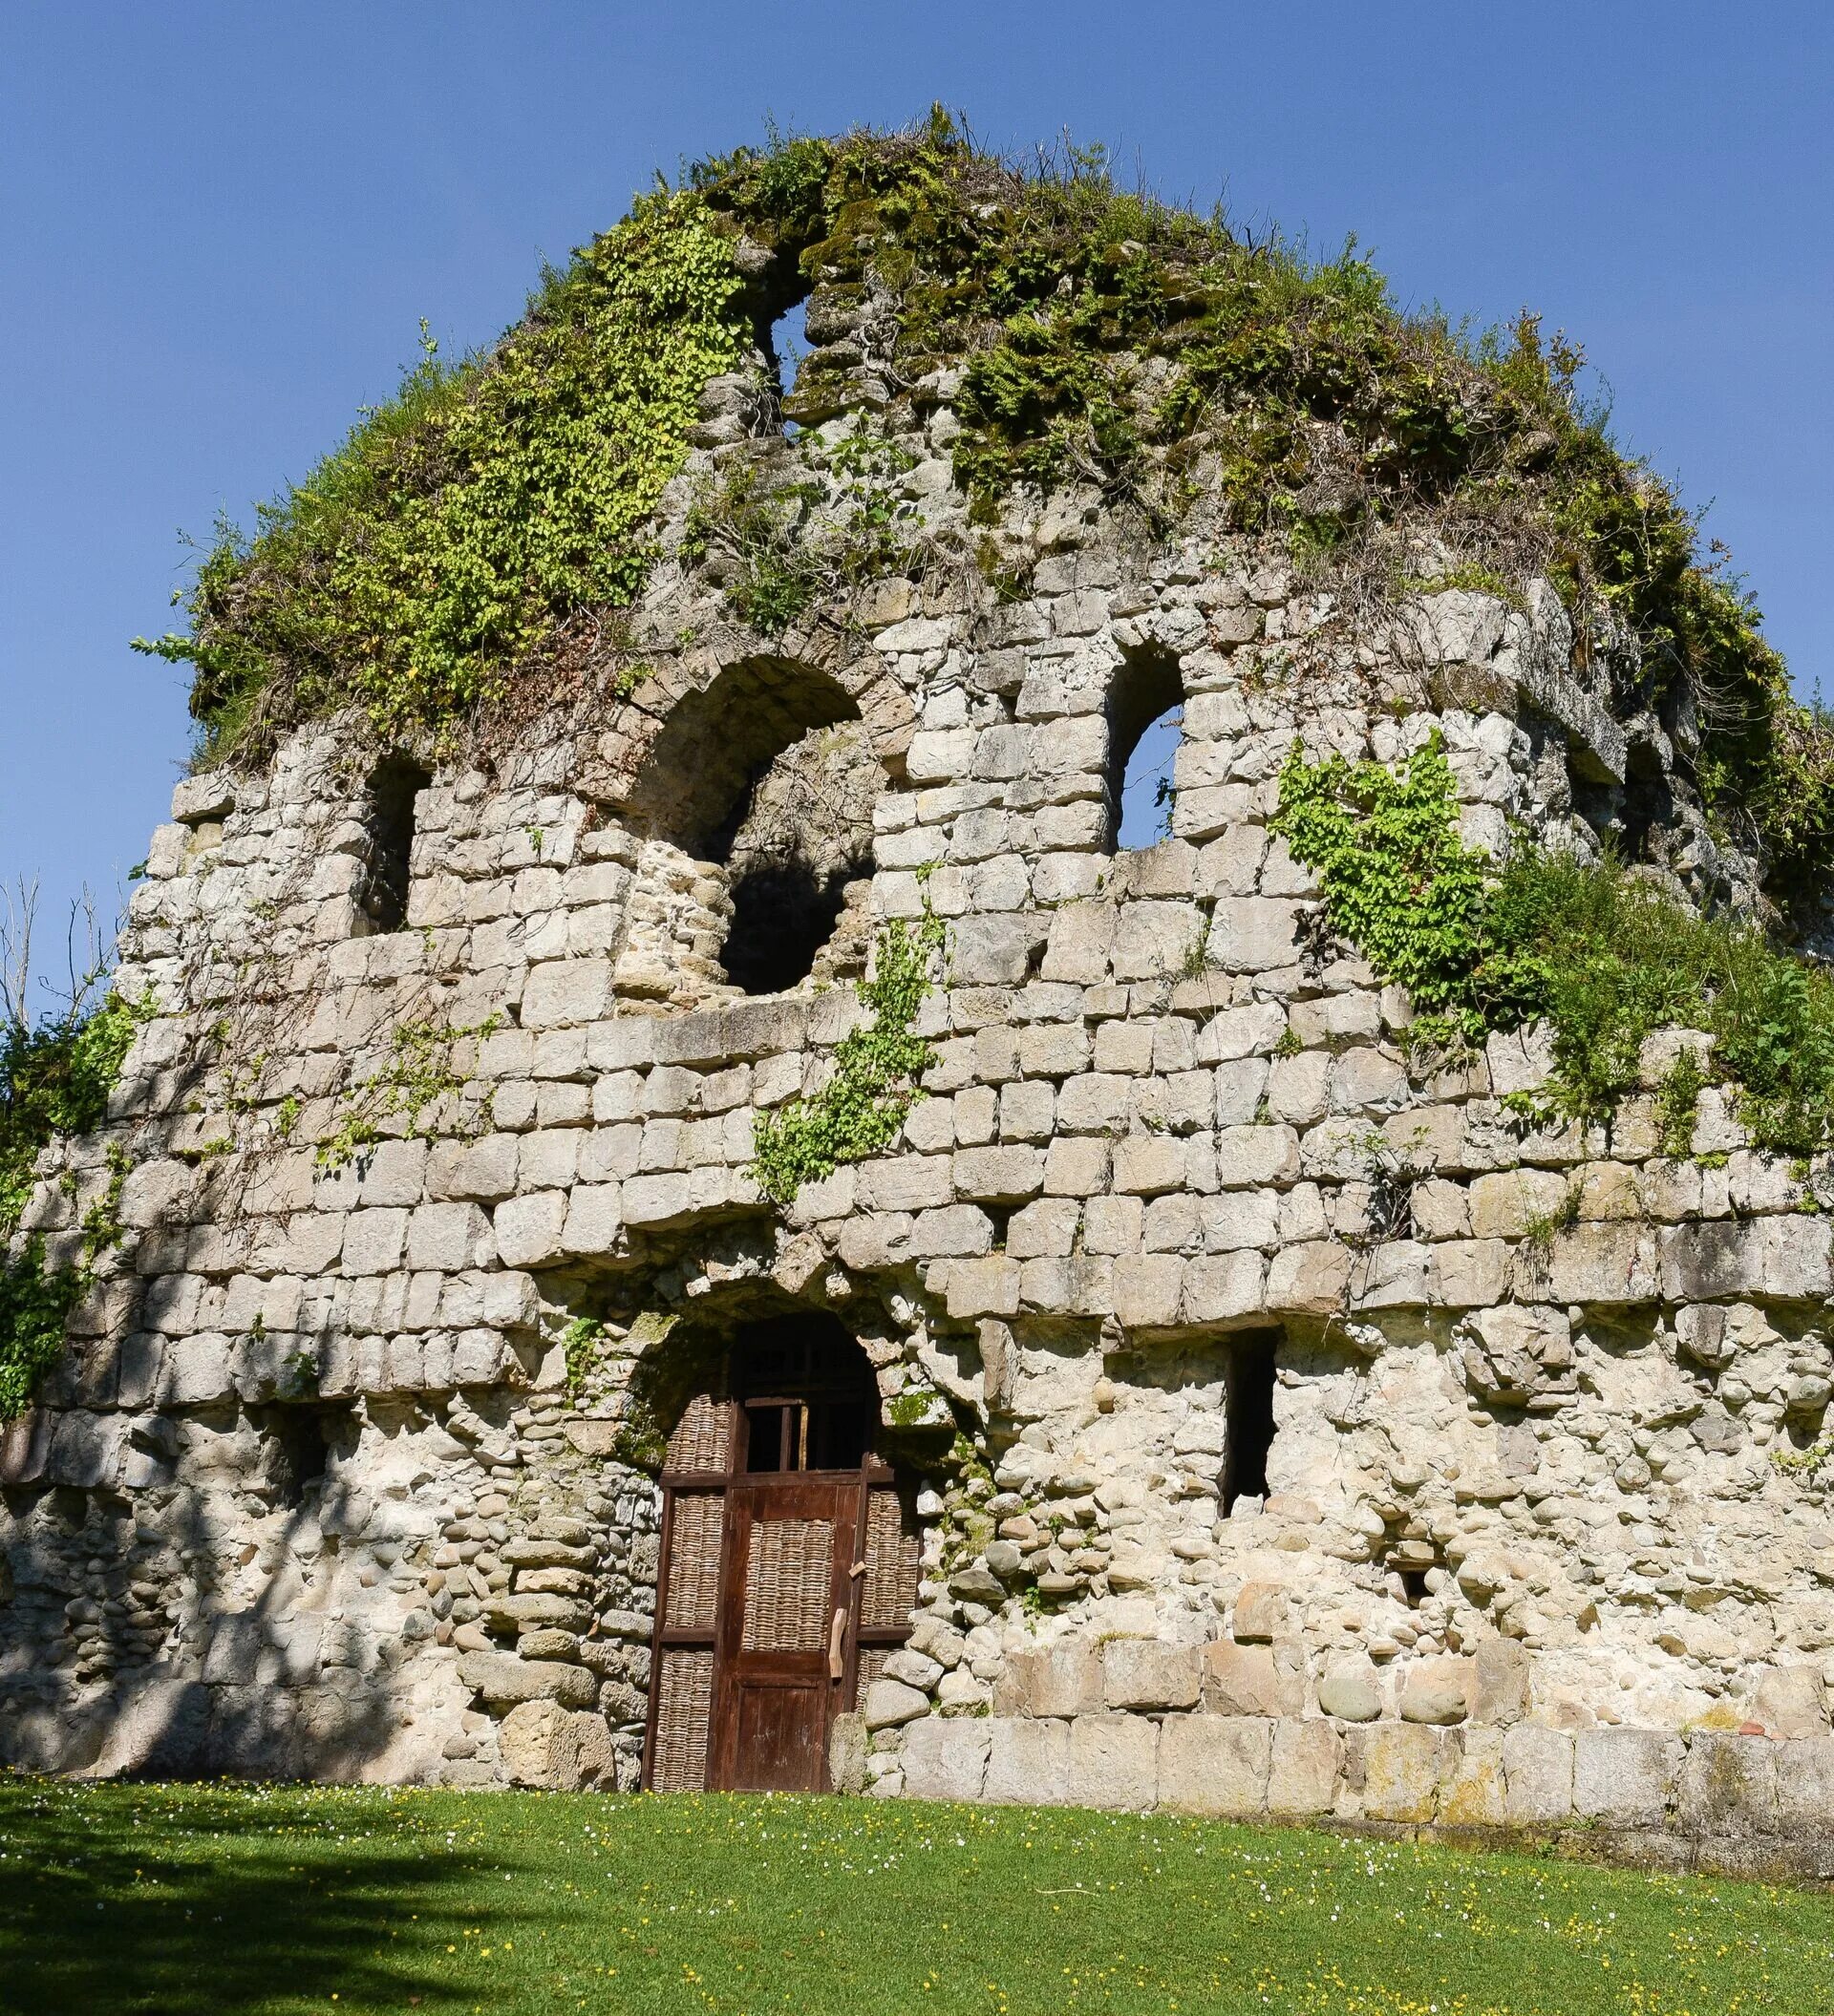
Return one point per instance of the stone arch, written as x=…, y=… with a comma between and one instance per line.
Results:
x=768, y=767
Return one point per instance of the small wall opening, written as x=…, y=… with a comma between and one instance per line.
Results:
x=393, y=786
x=788, y=346
x=1146, y=727
x=298, y=1443
x=1249, y=1419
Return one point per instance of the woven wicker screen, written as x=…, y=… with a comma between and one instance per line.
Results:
x=892, y=1565
x=684, y=1721
x=788, y=1580
x=693, y=1560
x=703, y=1436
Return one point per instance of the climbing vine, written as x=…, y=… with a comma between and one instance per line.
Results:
x=419, y=1075
x=1600, y=955
x=873, y=1082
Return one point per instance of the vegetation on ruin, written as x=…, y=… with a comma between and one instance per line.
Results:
x=274, y=1900
x=873, y=1076
x=411, y=1095
x=55, y=1076
x=1604, y=955
x=462, y=522
x=1083, y=332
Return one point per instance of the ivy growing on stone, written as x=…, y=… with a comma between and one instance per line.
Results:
x=55, y=1077
x=1601, y=956
x=874, y=1077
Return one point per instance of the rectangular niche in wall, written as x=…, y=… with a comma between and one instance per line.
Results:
x=1249, y=1424
x=389, y=818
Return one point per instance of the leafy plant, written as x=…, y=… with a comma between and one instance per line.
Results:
x=419, y=1075
x=1605, y=958
x=873, y=1081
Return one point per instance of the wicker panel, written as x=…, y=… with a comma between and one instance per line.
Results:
x=871, y=1665
x=892, y=1565
x=788, y=1580
x=694, y=1530
x=703, y=1436
x=684, y=1721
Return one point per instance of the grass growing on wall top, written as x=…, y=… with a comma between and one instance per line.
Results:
x=465, y=519
x=274, y=1901
x=1095, y=334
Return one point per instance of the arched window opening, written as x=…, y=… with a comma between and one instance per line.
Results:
x=1146, y=727
x=393, y=786
x=1249, y=1419
x=770, y=774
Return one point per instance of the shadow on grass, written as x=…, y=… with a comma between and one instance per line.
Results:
x=189, y=1901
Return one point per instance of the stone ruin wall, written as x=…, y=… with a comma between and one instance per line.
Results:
x=312, y=1495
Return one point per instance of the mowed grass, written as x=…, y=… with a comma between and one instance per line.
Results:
x=205, y=1899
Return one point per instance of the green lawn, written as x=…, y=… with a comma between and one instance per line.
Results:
x=195, y=1899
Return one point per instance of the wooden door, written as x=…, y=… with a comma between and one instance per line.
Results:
x=784, y=1649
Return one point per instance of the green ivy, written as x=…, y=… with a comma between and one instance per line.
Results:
x=873, y=1082
x=427, y=558
x=419, y=1075
x=1599, y=954
x=581, y=1344
x=54, y=1081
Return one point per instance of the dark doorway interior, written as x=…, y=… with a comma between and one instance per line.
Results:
x=1249, y=1418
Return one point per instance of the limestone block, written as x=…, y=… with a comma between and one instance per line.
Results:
x=449, y=1237
x=374, y=1241
x=195, y=1370
x=1297, y=1086
x=1791, y=1701
x=156, y=1192
x=995, y=950
x=564, y=992
x=649, y=1201
x=1152, y=941
x=1518, y=1352
x=1215, y=1765
x=1052, y=1681
x=1313, y=1279
x=595, y=1220
x=1148, y=1164
x=1602, y=1264
x=1476, y=1792
x=1144, y=1674
x=1727, y=1785
x=529, y=1229
x=1705, y=1262
x=1249, y=1679
x=945, y=1757
x=1147, y=1290
x=1505, y=1203
x=1005, y=1175
x=847, y=1754
x=1351, y=1689
x=1471, y=1273
x=1250, y=1157
x=1253, y=934
x=1305, y=1765
x=1805, y=1786
x=1262, y=1612
x=988, y=1287
x=1625, y=1776
x=1500, y=1681
x=502, y=1679
x=543, y=1744
x=393, y=1173
x=483, y=1171
x=1028, y=1762
x=1538, y=1773
x=1403, y=1768
x=1112, y=1762
x=890, y=1702
x=953, y=1231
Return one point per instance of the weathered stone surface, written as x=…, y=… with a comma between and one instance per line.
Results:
x=502, y=1679
x=1404, y=1768
x=542, y=1744
x=1143, y=1674
x=1028, y=1761
x=1624, y=1777
x=1113, y=1761
x=1214, y=1764
x=946, y=1757
x=1351, y=1689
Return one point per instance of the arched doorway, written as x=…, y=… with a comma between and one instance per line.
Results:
x=789, y=1564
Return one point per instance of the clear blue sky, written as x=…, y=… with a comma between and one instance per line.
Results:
x=220, y=224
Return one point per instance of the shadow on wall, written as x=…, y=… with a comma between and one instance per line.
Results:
x=202, y=1901
x=279, y=1689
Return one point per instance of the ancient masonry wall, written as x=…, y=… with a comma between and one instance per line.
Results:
x=334, y=1480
